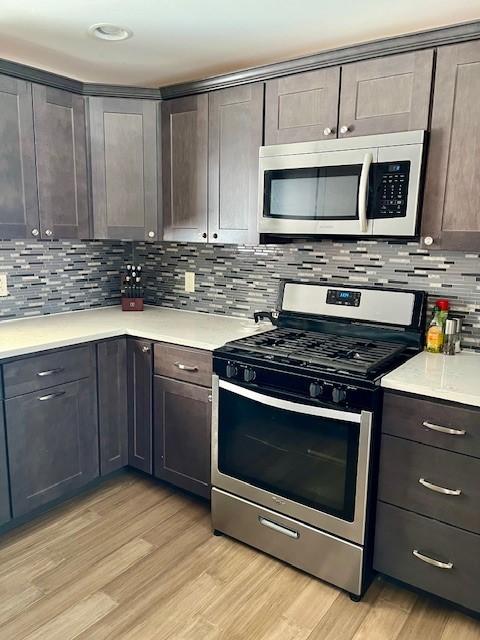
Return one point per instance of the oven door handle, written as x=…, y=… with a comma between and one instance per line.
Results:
x=363, y=192
x=288, y=405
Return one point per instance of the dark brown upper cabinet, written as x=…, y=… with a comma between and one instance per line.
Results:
x=302, y=107
x=235, y=134
x=451, y=212
x=185, y=168
x=385, y=95
x=123, y=147
x=18, y=184
x=60, y=148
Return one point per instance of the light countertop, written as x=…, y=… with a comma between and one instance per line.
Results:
x=455, y=378
x=187, y=328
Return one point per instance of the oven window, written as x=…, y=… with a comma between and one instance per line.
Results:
x=312, y=193
x=309, y=459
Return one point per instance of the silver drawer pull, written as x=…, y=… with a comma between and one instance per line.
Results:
x=428, y=560
x=50, y=396
x=49, y=372
x=438, y=427
x=276, y=527
x=435, y=487
x=186, y=367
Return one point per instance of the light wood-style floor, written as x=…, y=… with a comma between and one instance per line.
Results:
x=136, y=560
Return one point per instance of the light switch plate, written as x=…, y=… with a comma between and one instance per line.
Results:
x=189, y=281
x=3, y=285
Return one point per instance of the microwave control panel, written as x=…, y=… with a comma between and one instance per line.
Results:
x=390, y=188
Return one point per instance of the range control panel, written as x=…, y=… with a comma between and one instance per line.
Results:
x=391, y=189
x=344, y=297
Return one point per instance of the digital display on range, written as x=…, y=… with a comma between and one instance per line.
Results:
x=343, y=297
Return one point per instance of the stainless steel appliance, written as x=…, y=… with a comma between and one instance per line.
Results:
x=295, y=413
x=364, y=186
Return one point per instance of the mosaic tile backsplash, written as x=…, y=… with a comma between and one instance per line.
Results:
x=56, y=276
x=240, y=280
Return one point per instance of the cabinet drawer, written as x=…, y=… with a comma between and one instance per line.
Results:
x=406, y=416
x=46, y=370
x=182, y=363
x=399, y=533
x=418, y=477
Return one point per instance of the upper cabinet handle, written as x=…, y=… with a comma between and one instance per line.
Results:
x=50, y=396
x=435, y=487
x=345, y=129
x=145, y=348
x=49, y=372
x=438, y=427
x=35, y=232
x=428, y=560
x=48, y=232
x=185, y=367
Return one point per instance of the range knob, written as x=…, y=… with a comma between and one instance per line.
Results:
x=231, y=370
x=315, y=389
x=249, y=374
x=338, y=395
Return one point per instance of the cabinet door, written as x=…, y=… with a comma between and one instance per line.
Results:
x=18, y=183
x=60, y=148
x=451, y=214
x=385, y=95
x=185, y=156
x=52, y=443
x=235, y=132
x=112, y=404
x=4, y=491
x=139, y=376
x=123, y=146
x=302, y=107
x=182, y=434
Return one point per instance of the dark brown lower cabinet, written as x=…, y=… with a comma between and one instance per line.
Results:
x=112, y=405
x=182, y=430
x=139, y=377
x=5, y=514
x=52, y=439
x=428, y=554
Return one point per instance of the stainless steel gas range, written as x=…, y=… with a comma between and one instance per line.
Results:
x=295, y=415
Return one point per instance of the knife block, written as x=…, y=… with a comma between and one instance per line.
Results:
x=132, y=304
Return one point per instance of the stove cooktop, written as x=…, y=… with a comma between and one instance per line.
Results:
x=318, y=351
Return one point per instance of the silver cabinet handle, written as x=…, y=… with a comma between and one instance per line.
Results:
x=48, y=232
x=35, y=232
x=145, y=349
x=428, y=560
x=50, y=396
x=328, y=131
x=363, y=192
x=276, y=527
x=439, y=428
x=49, y=372
x=151, y=234
x=435, y=487
x=186, y=367
x=345, y=129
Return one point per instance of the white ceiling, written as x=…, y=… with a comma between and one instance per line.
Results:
x=178, y=40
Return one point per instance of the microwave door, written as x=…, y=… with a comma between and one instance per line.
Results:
x=316, y=193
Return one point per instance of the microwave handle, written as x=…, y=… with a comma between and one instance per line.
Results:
x=363, y=192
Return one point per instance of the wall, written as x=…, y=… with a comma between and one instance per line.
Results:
x=55, y=276
x=239, y=280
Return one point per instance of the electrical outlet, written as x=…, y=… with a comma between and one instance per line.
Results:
x=189, y=281
x=3, y=285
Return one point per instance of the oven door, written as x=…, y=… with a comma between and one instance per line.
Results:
x=307, y=462
x=316, y=193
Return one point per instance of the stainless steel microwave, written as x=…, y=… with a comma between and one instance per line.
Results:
x=364, y=186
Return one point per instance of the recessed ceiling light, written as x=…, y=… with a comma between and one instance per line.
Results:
x=106, y=31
